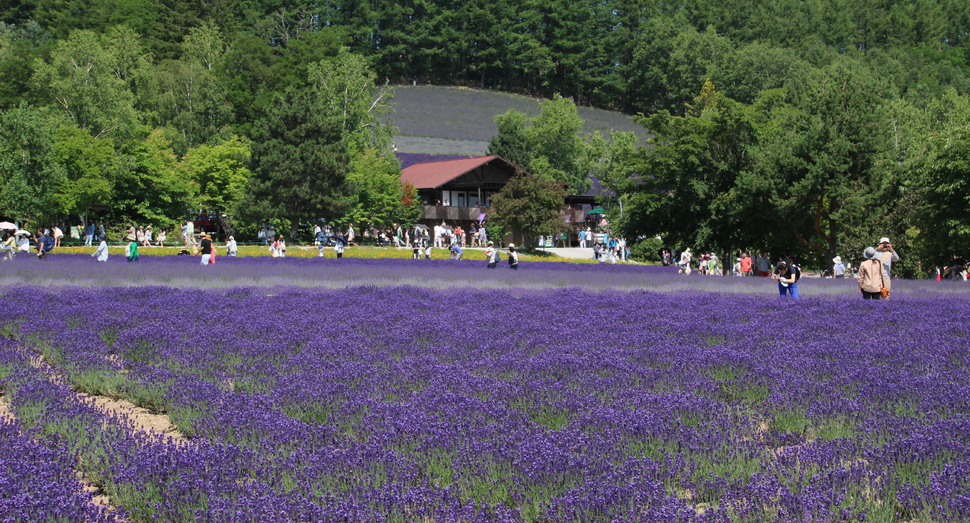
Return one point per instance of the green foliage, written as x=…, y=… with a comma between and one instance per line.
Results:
x=549, y=145
x=89, y=164
x=647, y=250
x=150, y=188
x=683, y=190
x=530, y=205
x=299, y=163
x=377, y=183
x=220, y=172
x=29, y=171
x=347, y=95
x=81, y=79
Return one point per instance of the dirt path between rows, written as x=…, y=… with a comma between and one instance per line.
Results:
x=139, y=418
x=5, y=412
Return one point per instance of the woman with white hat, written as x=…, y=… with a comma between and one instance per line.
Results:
x=838, y=269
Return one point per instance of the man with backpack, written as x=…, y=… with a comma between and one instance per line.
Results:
x=45, y=244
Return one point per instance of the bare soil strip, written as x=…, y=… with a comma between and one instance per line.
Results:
x=139, y=418
x=5, y=412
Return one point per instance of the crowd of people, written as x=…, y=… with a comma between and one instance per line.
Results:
x=873, y=273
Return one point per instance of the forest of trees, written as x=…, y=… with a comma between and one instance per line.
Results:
x=851, y=117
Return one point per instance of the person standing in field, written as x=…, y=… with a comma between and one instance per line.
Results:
x=764, y=265
x=188, y=234
x=787, y=280
x=44, y=244
x=102, y=251
x=9, y=246
x=745, y=265
x=886, y=255
x=206, y=249
x=58, y=234
x=490, y=255
x=838, y=268
x=88, y=234
x=513, y=258
x=231, y=248
x=870, y=277
x=131, y=251
x=350, y=235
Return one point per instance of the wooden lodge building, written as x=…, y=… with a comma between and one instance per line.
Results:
x=458, y=191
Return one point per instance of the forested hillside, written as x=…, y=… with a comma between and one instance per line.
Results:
x=800, y=125
x=634, y=56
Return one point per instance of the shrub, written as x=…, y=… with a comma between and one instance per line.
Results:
x=647, y=250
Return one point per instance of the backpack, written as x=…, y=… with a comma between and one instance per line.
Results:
x=48, y=244
x=797, y=271
x=498, y=256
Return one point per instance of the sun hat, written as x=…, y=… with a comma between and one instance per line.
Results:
x=837, y=260
x=511, y=246
x=869, y=253
x=883, y=240
x=491, y=243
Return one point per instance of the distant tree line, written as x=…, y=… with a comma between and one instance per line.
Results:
x=629, y=55
x=787, y=124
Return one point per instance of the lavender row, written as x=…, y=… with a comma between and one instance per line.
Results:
x=397, y=403
x=70, y=270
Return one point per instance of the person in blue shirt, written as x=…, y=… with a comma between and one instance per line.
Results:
x=455, y=251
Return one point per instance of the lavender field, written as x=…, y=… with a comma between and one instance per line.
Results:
x=392, y=390
x=452, y=120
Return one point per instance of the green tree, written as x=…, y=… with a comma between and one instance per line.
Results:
x=549, y=146
x=29, y=171
x=943, y=219
x=80, y=78
x=349, y=96
x=90, y=165
x=299, y=163
x=530, y=205
x=220, y=172
x=682, y=189
x=149, y=187
x=817, y=161
x=511, y=141
x=559, y=152
x=377, y=182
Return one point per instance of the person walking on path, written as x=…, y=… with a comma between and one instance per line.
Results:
x=886, y=255
x=88, y=234
x=745, y=267
x=870, y=277
x=764, y=265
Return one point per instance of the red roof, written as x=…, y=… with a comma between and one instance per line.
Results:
x=435, y=174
